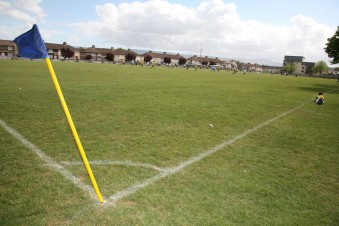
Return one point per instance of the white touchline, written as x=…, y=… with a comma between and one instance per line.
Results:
x=50, y=162
x=138, y=186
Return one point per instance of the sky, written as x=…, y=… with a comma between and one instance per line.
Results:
x=253, y=29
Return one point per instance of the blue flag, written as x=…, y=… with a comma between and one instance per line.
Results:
x=31, y=45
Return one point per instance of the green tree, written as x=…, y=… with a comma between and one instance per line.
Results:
x=332, y=47
x=289, y=68
x=239, y=64
x=320, y=67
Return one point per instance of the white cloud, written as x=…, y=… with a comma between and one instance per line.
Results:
x=31, y=6
x=27, y=11
x=158, y=24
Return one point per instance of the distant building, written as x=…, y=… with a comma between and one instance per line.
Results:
x=252, y=67
x=54, y=50
x=336, y=71
x=297, y=61
x=120, y=55
x=7, y=49
x=302, y=67
x=158, y=58
x=308, y=67
x=293, y=59
x=230, y=64
x=98, y=54
x=272, y=69
x=195, y=60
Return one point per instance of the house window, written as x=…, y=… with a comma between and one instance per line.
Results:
x=10, y=48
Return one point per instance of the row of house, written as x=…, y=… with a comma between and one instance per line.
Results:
x=8, y=49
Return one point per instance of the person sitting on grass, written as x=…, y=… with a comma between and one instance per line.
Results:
x=320, y=99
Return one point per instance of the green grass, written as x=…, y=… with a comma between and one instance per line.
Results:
x=286, y=173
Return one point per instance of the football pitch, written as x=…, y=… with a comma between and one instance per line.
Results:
x=167, y=146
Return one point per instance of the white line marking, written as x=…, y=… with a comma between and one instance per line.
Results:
x=138, y=186
x=50, y=162
x=108, y=162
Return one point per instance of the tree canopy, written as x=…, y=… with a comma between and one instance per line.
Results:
x=88, y=57
x=332, y=47
x=320, y=67
x=110, y=56
x=130, y=56
x=204, y=62
x=148, y=58
x=289, y=68
x=67, y=53
x=182, y=61
x=167, y=60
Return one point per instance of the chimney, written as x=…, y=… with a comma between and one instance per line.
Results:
x=64, y=43
x=93, y=46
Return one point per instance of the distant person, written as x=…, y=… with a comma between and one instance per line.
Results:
x=320, y=99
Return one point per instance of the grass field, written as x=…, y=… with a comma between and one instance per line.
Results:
x=271, y=157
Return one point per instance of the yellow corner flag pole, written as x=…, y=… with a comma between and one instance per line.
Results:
x=74, y=131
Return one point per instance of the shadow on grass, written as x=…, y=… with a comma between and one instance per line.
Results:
x=322, y=88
